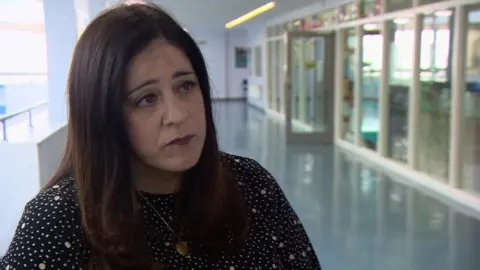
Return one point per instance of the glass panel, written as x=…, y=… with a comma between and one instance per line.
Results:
x=471, y=113
x=316, y=20
x=394, y=5
x=308, y=88
x=372, y=64
x=297, y=78
x=349, y=48
x=434, y=119
x=281, y=76
x=276, y=75
x=308, y=22
x=291, y=25
x=270, y=79
x=278, y=30
x=317, y=92
x=258, y=61
x=401, y=53
x=371, y=8
x=352, y=11
x=424, y=2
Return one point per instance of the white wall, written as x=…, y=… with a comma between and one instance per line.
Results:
x=18, y=184
x=24, y=168
x=236, y=38
x=61, y=31
x=50, y=154
x=218, y=49
x=214, y=52
x=256, y=37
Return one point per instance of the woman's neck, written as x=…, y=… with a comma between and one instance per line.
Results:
x=155, y=181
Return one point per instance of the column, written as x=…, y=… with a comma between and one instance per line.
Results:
x=458, y=90
x=415, y=95
x=357, y=88
x=61, y=34
x=384, y=91
x=339, y=62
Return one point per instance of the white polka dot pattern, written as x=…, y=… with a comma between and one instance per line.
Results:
x=49, y=235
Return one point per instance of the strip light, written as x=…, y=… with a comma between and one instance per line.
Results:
x=250, y=15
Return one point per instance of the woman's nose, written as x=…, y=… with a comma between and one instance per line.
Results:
x=175, y=112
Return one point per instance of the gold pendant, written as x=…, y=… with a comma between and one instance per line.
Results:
x=182, y=248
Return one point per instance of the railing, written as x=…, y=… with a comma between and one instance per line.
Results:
x=8, y=116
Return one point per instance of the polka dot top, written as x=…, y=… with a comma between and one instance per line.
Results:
x=49, y=234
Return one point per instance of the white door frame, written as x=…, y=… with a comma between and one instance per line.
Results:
x=315, y=137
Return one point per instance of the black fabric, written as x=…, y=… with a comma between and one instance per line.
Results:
x=49, y=234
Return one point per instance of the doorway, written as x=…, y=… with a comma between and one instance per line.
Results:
x=309, y=87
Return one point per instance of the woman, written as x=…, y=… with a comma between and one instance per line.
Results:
x=143, y=184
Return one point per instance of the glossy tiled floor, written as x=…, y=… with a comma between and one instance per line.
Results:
x=357, y=217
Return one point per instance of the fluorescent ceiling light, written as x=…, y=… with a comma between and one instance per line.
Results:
x=370, y=27
x=401, y=20
x=443, y=13
x=250, y=15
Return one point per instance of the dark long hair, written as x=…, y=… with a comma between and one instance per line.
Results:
x=98, y=149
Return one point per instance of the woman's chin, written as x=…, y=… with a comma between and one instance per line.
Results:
x=179, y=163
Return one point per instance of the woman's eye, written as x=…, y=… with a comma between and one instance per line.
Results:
x=146, y=100
x=187, y=86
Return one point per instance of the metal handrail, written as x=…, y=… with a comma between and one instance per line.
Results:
x=4, y=118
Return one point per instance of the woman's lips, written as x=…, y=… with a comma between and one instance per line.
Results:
x=181, y=141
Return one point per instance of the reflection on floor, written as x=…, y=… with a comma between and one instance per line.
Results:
x=357, y=217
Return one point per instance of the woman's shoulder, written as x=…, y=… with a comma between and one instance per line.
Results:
x=49, y=233
x=245, y=167
x=250, y=175
x=57, y=200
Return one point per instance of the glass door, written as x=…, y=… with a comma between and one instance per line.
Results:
x=309, y=87
x=270, y=89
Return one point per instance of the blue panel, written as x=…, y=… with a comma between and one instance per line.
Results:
x=3, y=108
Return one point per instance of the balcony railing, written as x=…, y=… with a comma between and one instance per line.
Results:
x=9, y=116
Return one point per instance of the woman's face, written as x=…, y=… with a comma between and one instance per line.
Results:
x=164, y=109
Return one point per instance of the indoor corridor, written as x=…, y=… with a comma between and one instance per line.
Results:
x=331, y=97
x=358, y=217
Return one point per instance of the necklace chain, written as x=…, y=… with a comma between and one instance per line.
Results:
x=180, y=246
x=157, y=213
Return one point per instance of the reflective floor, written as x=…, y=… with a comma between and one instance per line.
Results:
x=357, y=217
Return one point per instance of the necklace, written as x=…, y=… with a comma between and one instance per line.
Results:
x=180, y=246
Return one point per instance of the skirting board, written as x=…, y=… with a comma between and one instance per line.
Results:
x=256, y=106
x=459, y=200
x=281, y=117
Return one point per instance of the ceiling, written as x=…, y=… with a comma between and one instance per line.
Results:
x=190, y=13
x=216, y=13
